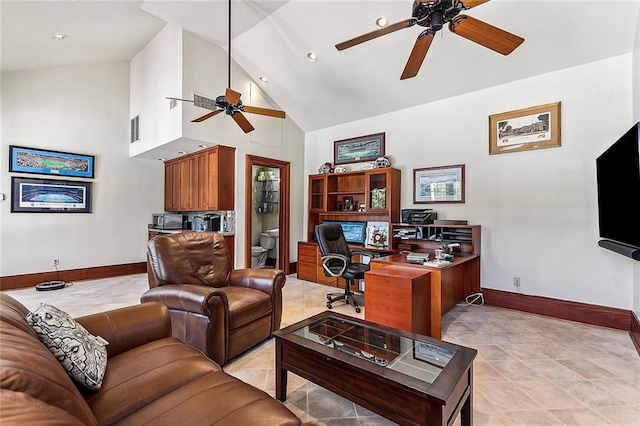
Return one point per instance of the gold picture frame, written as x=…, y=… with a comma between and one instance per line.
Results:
x=525, y=129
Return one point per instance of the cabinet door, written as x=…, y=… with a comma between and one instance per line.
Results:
x=188, y=187
x=377, y=190
x=221, y=178
x=318, y=193
x=171, y=186
x=202, y=183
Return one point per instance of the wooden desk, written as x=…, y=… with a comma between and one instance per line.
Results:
x=447, y=285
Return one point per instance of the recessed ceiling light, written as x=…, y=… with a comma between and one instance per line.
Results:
x=59, y=36
x=182, y=152
x=203, y=146
x=162, y=159
x=263, y=79
x=312, y=57
x=381, y=22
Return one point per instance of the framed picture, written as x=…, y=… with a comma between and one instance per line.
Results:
x=32, y=160
x=31, y=195
x=438, y=184
x=433, y=354
x=525, y=129
x=355, y=150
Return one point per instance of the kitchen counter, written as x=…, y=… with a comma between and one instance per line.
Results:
x=175, y=231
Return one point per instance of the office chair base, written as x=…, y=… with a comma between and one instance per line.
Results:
x=348, y=299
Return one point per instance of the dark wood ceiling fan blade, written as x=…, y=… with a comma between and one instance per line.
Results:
x=232, y=97
x=377, y=33
x=418, y=53
x=206, y=116
x=242, y=121
x=485, y=34
x=264, y=111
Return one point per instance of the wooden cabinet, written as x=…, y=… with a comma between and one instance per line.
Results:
x=310, y=265
x=201, y=181
x=375, y=196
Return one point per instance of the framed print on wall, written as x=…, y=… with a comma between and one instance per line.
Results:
x=33, y=160
x=29, y=195
x=356, y=150
x=525, y=129
x=443, y=184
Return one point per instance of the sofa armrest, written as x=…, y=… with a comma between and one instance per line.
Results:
x=129, y=327
x=197, y=299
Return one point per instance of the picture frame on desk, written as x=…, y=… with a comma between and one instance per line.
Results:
x=377, y=235
x=433, y=354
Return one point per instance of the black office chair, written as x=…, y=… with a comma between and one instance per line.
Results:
x=336, y=261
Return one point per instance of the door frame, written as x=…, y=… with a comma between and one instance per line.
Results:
x=284, y=208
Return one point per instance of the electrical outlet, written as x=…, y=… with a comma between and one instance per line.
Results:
x=516, y=282
x=56, y=262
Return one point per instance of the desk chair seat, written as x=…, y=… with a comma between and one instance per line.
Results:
x=337, y=262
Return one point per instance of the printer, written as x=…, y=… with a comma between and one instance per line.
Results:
x=418, y=216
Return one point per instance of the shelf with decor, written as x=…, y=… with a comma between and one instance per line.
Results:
x=428, y=237
x=365, y=195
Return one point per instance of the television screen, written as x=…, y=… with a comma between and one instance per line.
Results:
x=618, y=174
x=354, y=232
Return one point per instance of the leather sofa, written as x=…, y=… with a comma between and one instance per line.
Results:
x=221, y=311
x=150, y=378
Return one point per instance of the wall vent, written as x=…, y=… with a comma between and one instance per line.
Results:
x=204, y=102
x=135, y=129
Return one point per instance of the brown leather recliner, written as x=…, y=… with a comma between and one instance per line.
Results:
x=222, y=312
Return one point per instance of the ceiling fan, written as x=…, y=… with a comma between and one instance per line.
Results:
x=230, y=102
x=433, y=14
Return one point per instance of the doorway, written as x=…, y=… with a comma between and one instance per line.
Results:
x=253, y=178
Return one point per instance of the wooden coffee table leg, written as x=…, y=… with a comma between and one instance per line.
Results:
x=281, y=374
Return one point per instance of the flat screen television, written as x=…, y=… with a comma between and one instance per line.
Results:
x=618, y=182
x=354, y=232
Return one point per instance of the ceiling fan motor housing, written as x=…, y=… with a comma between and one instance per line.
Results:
x=435, y=14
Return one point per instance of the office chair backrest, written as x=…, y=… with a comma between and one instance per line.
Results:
x=330, y=239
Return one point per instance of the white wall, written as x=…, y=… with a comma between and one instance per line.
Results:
x=538, y=209
x=84, y=110
x=203, y=70
x=156, y=72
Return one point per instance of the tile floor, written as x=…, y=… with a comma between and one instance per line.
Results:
x=530, y=370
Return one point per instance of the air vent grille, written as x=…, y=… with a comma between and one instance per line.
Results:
x=135, y=129
x=204, y=102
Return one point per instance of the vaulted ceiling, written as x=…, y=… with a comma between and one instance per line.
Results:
x=271, y=38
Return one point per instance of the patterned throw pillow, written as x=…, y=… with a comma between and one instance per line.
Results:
x=82, y=354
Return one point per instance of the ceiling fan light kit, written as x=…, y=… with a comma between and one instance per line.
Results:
x=433, y=15
x=230, y=102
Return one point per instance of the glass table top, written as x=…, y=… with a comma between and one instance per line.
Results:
x=421, y=360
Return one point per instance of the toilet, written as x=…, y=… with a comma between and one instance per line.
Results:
x=259, y=253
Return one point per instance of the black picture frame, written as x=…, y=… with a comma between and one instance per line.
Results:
x=33, y=195
x=47, y=162
x=360, y=149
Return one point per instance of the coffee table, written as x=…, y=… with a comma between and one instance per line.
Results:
x=408, y=378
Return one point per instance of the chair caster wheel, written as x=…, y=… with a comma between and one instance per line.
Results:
x=328, y=297
x=357, y=310
x=329, y=305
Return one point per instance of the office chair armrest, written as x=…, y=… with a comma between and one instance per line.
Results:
x=369, y=254
x=339, y=257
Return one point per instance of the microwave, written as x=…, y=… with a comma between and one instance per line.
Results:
x=167, y=221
